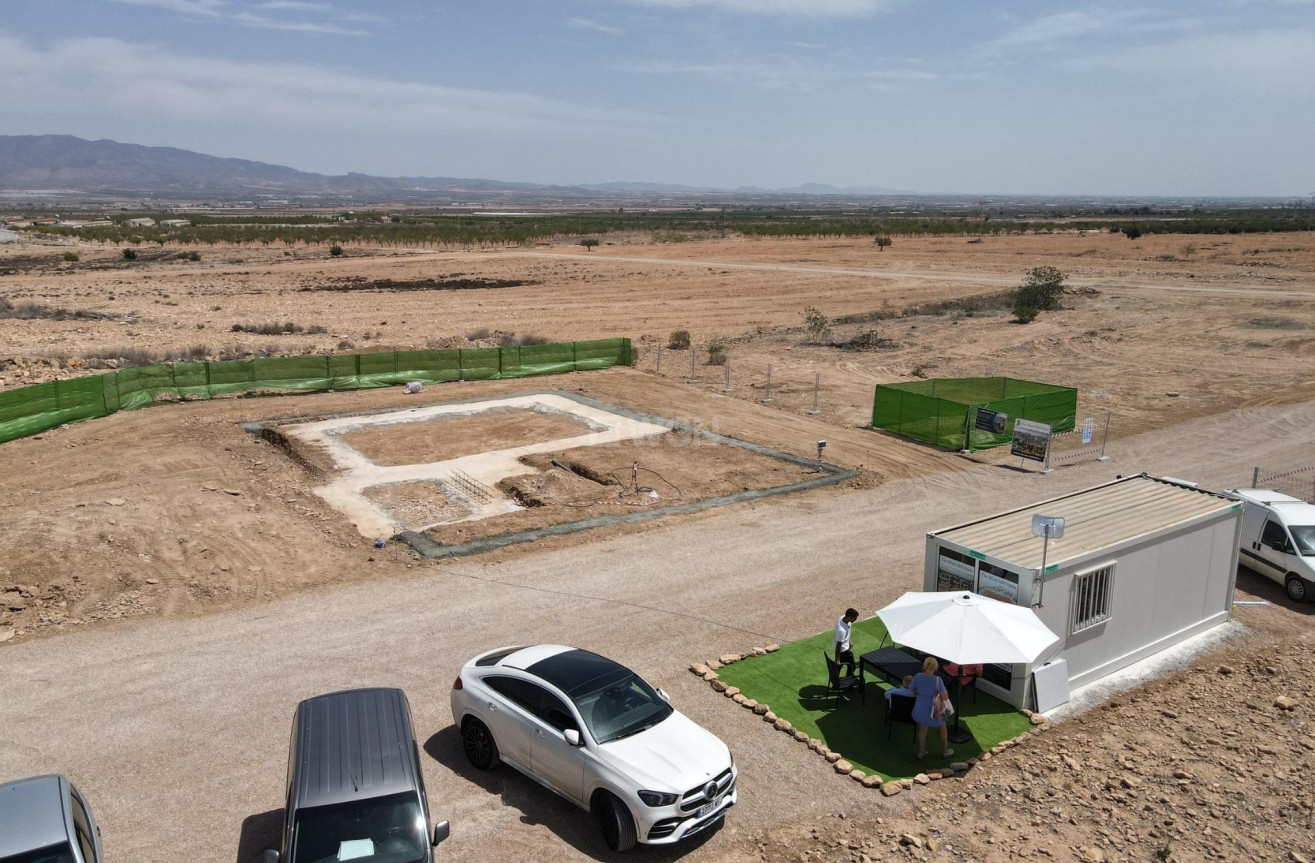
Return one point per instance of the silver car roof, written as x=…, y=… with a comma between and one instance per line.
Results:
x=32, y=814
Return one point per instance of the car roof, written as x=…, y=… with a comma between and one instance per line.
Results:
x=32, y=814
x=354, y=745
x=578, y=672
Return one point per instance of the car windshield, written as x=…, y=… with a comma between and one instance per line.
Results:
x=387, y=829
x=620, y=709
x=60, y=853
x=1304, y=536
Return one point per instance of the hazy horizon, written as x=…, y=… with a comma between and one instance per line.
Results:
x=1169, y=99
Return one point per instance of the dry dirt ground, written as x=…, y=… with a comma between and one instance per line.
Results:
x=177, y=728
x=174, y=511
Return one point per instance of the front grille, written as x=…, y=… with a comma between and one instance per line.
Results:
x=694, y=798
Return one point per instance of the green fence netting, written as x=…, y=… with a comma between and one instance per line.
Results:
x=940, y=411
x=30, y=410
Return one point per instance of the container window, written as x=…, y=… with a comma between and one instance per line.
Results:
x=1091, y=600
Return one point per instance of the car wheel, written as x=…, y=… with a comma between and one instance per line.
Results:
x=1296, y=588
x=617, y=823
x=479, y=745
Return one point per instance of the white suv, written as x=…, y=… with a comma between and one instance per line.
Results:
x=594, y=732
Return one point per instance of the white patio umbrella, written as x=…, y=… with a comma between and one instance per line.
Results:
x=967, y=628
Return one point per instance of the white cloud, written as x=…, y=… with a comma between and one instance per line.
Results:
x=197, y=8
x=149, y=95
x=263, y=22
x=1269, y=60
x=294, y=6
x=586, y=24
x=809, y=8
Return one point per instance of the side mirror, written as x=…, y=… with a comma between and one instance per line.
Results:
x=271, y=857
x=572, y=736
x=442, y=830
x=662, y=693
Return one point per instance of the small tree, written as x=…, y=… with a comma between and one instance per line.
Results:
x=882, y=243
x=678, y=340
x=819, y=326
x=589, y=243
x=1024, y=314
x=1041, y=289
x=335, y=250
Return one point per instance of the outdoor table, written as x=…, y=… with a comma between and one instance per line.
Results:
x=894, y=663
x=891, y=662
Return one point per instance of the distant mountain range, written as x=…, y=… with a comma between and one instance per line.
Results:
x=65, y=162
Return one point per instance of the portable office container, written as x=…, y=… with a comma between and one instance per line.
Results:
x=1144, y=563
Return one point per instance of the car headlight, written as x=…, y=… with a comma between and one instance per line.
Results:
x=657, y=798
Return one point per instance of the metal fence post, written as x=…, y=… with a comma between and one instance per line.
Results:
x=817, y=386
x=1104, y=438
x=767, y=394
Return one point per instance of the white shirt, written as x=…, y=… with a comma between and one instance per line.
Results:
x=842, y=633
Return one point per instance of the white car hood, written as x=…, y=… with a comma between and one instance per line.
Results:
x=674, y=755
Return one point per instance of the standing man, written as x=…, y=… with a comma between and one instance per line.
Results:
x=843, y=647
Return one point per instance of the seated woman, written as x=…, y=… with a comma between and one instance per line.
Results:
x=966, y=673
x=929, y=709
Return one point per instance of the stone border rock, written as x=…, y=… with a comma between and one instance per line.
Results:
x=707, y=670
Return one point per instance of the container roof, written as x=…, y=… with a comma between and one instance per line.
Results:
x=1095, y=518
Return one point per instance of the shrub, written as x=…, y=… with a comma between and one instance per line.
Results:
x=716, y=353
x=130, y=254
x=335, y=250
x=819, y=326
x=1041, y=289
x=70, y=256
x=274, y=328
x=678, y=340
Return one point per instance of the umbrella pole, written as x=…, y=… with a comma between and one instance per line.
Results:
x=957, y=734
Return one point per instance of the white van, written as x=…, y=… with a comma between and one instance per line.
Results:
x=1278, y=539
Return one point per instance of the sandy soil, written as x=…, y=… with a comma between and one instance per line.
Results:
x=450, y=437
x=177, y=728
x=677, y=467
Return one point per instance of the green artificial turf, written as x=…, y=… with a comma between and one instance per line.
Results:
x=792, y=681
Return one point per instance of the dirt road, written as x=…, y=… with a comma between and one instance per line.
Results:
x=177, y=730
x=924, y=276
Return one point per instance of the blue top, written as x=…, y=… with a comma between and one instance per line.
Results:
x=925, y=688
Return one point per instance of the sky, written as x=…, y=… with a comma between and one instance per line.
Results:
x=1049, y=97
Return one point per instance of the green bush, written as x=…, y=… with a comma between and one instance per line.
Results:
x=1041, y=289
x=678, y=340
x=819, y=326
